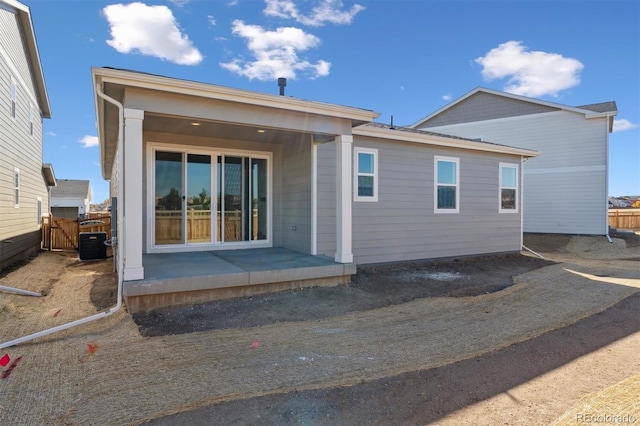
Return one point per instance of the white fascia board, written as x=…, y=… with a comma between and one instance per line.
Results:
x=399, y=135
x=24, y=15
x=167, y=84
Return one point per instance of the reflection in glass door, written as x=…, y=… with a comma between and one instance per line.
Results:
x=198, y=220
x=242, y=199
x=186, y=193
x=168, y=198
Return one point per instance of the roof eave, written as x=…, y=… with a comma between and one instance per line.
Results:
x=585, y=112
x=441, y=141
x=167, y=84
x=49, y=175
x=24, y=14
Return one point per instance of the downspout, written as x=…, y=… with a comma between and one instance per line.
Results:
x=118, y=305
x=606, y=181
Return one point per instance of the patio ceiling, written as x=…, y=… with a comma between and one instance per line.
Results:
x=172, y=106
x=207, y=128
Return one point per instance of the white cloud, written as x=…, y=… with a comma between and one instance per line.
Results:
x=327, y=11
x=50, y=133
x=179, y=3
x=149, y=30
x=530, y=73
x=89, y=141
x=211, y=19
x=622, y=125
x=447, y=97
x=276, y=53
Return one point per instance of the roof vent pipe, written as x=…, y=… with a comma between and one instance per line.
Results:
x=282, y=83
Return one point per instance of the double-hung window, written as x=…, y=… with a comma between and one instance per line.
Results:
x=447, y=185
x=366, y=174
x=508, y=188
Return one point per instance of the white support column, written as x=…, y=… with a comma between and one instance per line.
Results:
x=132, y=200
x=343, y=199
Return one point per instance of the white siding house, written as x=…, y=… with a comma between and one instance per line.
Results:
x=24, y=180
x=565, y=188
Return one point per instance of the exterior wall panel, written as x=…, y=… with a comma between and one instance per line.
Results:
x=568, y=177
x=402, y=225
x=19, y=227
x=296, y=201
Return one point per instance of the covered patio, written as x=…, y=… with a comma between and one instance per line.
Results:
x=196, y=277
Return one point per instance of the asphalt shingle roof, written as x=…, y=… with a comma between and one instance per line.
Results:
x=601, y=107
x=70, y=188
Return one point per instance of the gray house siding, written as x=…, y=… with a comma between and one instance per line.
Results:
x=19, y=226
x=565, y=188
x=296, y=202
x=402, y=225
x=485, y=106
x=326, y=208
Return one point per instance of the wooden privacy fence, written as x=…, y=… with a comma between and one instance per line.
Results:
x=169, y=226
x=624, y=218
x=64, y=234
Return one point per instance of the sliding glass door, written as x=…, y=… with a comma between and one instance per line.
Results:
x=242, y=199
x=209, y=198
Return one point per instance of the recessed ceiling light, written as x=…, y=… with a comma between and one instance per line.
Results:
x=261, y=131
x=195, y=123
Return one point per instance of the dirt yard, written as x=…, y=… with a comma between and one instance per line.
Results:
x=372, y=287
x=490, y=340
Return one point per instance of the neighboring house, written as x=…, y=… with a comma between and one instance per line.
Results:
x=71, y=199
x=280, y=173
x=573, y=142
x=24, y=179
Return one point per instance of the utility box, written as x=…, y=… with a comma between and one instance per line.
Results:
x=91, y=245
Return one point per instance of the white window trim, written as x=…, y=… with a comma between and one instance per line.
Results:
x=152, y=147
x=374, y=152
x=435, y=184
x=13, y=99
x=16, y=188
x=500, y=187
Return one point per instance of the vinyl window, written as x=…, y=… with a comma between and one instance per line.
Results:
x=366, y=174
x=508, y=188
x=447, y=185
x=16, y=187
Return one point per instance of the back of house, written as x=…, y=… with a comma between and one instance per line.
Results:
x=565, y=188
x=24, y=179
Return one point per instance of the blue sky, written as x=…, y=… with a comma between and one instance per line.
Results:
x=400, y=58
